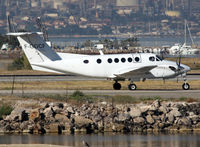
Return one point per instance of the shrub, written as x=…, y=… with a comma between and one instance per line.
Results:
x=81, y=97
x=5, y=110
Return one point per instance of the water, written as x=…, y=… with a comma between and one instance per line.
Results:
x=107, y=140
x=146, y=41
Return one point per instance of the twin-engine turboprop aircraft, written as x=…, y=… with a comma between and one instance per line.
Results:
x=118, y=67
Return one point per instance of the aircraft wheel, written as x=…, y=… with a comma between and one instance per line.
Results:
x=186, y=86
x=132, y=87
x=117, y=86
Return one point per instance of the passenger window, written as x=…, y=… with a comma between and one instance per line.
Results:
x=151, y=58
x=98, y=61
x=109, y=60
x=137, y=59
x=116, y=60
x=123, y=60
x=86, y=61
x=130, y=59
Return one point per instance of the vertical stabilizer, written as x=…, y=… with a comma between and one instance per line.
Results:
x=35, y=48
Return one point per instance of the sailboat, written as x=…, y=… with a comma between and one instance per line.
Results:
x=184, y=49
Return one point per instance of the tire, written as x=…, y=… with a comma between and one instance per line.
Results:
x=186, y=86
x=132, y=87
x=117, y=86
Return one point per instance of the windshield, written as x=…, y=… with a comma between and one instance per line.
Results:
x=158, y=58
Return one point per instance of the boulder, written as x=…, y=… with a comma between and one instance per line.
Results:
x=150, y=120
x=82, y=121
x=15, y=114
x=70, y=109
x=61, y=118
x=175, y=112
x=185, y=121
x=35, y=114
x=117, y=127
x=122, y=117
x=135, y=112
x=139, y=120
x=48, y=112
x=53, y=128
x=156, y=104
x=170, y=118
x=163, y=109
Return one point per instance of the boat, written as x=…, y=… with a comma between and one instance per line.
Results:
x=184, y=49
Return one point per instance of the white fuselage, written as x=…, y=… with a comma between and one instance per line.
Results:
x=108, y=66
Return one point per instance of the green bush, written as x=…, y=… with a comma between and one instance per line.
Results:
x=5, y=110
x=81, y=97
x=20, y=63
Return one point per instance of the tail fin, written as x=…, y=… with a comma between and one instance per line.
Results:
x=35, y=48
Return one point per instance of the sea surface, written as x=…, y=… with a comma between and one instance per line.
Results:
x=145, y=41
x=107, y=140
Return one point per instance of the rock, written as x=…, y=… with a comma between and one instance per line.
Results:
x=61, y=118
x=57, y=110
x=122, y=117
x=195, y=119
x=170, y=118
x=175, y=112
x=35, y=114
x=135, y=112
x=15, y=114
x=185, y=121
x=48, y=112
x=149, y=119
x=139, y=120
x=117, y=127
x=163, y=109
x=24, y=125
x=155, y=105
x=96, y=118
x=70, y=109
x=82, y=121
x=53, y=128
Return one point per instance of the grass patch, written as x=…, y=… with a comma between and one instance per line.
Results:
x=80, y=97
x=5, y=109
x=122, y=99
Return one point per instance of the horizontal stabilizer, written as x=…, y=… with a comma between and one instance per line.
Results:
x=23, y=33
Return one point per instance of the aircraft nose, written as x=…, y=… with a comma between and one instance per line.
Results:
x=186, y=68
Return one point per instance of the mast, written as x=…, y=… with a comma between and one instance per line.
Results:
x=185, y=32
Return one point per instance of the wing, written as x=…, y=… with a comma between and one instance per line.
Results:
x=139, y=72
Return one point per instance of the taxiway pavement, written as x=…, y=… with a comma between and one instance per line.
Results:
x=137, y=93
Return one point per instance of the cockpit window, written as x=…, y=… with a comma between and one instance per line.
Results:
x=158, y=58
x=152, y=58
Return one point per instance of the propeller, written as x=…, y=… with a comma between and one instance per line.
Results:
x=179, y=68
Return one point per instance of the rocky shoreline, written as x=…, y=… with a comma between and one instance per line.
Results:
x=39, y=117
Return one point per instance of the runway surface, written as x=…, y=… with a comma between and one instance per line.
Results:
x=137, y=93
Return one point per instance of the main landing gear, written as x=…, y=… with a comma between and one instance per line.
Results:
x=131, y=86
x=117, y=86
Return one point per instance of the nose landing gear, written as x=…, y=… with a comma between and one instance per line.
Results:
x=185, y=85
